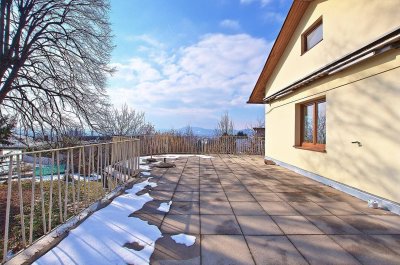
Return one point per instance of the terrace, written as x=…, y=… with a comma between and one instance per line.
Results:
x=227, y=209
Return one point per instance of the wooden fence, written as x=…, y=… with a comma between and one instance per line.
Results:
x=57, y=184
x=167, y=144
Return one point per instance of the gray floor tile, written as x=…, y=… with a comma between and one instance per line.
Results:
x=296, y=225
x=278, y=208
x=340, y=208
x=366, y=249
x=239, y=196
x=213, y=196
x=181, y=223
x=219, y=225
x=390, y=241
x=309, y=208
x=258, y=225
x=225, y=250
x=266, y=197
x=247, y=208
x=277, y=250
x=184, y=208
x=186, y=196
x=374, y=224
x=215, y=207
x=330, y=224
x=320, y=249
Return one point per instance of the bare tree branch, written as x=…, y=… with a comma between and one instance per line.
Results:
x=54, y=58
x=225, y=125
x=123, y=122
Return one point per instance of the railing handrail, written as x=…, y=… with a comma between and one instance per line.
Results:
x=64, y=148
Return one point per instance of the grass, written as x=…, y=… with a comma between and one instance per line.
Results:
x=89, y=192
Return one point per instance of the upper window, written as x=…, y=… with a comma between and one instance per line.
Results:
x=313, y=125
x=312, y=36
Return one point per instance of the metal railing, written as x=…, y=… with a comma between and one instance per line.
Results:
x=43, y=189
x=170, y=144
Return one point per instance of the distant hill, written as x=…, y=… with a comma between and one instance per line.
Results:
x=205, y=132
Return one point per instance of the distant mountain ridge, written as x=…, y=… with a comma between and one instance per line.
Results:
x=199, y=131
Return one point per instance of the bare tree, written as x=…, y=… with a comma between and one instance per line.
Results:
x=188, y=131
x=7, y=125
x=123, y=122
x=225, y=125
x=54, y=57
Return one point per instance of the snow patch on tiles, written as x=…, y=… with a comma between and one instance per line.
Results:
x=175, y=156
x=144, y=167
x=100, y=239
x=204, y=156
x=164, y=207
x=184, y=239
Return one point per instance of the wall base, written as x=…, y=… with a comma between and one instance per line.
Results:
x=365, y=196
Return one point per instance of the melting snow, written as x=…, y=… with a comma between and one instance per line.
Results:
x=144, y=167
x=100, y=238
x=184, y=239
x=144, y=173
x=174, y=156
x=164, y=207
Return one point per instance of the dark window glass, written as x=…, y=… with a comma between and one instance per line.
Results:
x=308, y=123
x=314, y=37
x=321, y=122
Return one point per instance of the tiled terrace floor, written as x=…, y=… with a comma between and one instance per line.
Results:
x=245, y=212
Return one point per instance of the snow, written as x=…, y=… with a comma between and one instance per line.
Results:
x=100, y=238
x=164, y=207
x=144, y=167
x=92, y=177
x=173, y=156
x=184, y=239
x=144, y=174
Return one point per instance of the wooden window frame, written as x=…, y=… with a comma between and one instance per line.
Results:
x=314, y=146
x=304, y=35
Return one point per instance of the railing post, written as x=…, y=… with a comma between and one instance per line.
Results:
x=6, y=231
x=51, y=191
x=32, y=201
x=21, y=202
x=42, y=193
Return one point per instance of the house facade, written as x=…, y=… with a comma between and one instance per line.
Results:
x=331, y=89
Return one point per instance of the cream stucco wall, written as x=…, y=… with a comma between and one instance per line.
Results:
x=363, y=104
x=347, y=26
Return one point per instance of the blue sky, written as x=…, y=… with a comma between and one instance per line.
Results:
x=186, y=62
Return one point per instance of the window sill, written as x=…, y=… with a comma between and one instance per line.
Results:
x=315, y=149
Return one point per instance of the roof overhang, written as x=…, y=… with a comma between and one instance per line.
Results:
x=389, y=41
x=293, y=18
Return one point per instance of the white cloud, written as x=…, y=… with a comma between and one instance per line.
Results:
x=194, y=84
x=148, y=40
x=230, y=24
x=262, y=2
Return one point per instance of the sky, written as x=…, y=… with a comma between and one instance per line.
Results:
x=187, y=62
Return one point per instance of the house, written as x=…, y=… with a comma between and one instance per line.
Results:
x=259, y=131
x=331, y=90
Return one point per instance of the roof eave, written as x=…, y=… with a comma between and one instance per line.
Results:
x=289, y=26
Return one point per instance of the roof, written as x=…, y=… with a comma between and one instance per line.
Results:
x=293, y=18
x=385, y=43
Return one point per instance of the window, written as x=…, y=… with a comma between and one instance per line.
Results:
x=313, y=125
x=312, y=36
